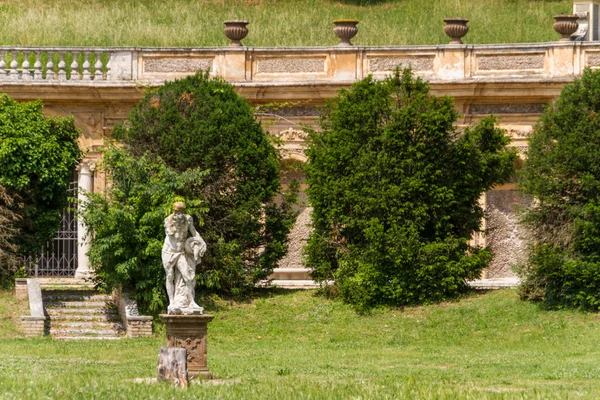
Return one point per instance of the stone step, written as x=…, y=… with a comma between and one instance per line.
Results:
x=55, y=285
x=68, y=324
x=84, y=332
x=75, y=296
x=293, y=284
x=280, y=274
x=87, y=318
x=495, y=283
x=69, y=338
x=79, y=304
x=80, y=311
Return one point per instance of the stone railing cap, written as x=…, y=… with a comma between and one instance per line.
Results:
x=139, y=318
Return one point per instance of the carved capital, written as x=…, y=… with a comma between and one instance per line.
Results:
x=86, y=167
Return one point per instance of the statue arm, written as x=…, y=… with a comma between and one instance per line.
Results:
x=202, y=248
x=192, y=229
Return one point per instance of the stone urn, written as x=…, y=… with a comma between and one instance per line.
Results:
x=456, y=28
x=235, y=30
x=345, y=29
x=566, y=25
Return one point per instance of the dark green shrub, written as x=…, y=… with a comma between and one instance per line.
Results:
x=8, y=249
x=563, y=173
x=194, y=138
x=37, y=158
x=395, y=191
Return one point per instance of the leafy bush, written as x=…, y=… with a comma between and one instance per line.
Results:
x=563, y=173
x=8, y=248
x=37, y=159
x=395, y=191
x=197, y=139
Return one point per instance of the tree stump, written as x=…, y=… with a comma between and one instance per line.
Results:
x=172, y=365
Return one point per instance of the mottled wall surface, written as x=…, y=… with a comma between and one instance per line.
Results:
x=507, y=239
x=298, y=238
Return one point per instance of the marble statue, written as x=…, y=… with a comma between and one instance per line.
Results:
x=180, y=255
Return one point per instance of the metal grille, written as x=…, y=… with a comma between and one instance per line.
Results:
x=59, y=256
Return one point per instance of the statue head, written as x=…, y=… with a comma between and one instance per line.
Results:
x=179, y=207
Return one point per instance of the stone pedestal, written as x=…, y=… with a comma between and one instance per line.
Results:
x=189, y=332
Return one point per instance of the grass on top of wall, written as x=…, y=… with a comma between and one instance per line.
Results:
x=272, y=22
x=295, y=345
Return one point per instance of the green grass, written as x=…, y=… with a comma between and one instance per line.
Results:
x=272, y=22
x=296, y=345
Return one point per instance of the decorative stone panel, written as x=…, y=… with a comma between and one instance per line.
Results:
x=593, y=60
x=515, y=108
x=510, y=62
x=189, y=332
x=291, y=65
x=292, y=143
x=176, y=64
x=290, y=111
x=381, y=64
x=291, y=135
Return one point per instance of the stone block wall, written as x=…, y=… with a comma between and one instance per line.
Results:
x=34, y=326
x=139, y=326
x=21, y=288
x=135, y=324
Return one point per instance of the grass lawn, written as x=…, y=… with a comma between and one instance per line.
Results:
x=272, y=22
x=293, y=344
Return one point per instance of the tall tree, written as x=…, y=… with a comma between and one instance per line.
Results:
x=196, y=139
x=395, y=190
x=37, y=158
x=562, y=173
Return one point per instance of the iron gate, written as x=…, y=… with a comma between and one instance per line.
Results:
x=59, y=256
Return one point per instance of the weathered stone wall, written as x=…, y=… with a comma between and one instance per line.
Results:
x=33, y=326
x=139, y=326
x=297, y=240
x=507, y=239
x=511, y=81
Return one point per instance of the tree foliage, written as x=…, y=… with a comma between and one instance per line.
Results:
x=9, y=222
x=37, y=159
x=395, y=190
x=197, y=139
x=562, y=172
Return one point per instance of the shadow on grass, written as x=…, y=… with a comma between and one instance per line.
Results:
x=220, y=303
x=363, y=3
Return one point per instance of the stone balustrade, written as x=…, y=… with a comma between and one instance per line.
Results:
x=24, y=64
x=102, y=66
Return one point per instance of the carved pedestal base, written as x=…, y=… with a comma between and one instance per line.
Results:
x=189, y=332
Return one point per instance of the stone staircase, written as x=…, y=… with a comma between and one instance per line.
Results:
x=291, y=278
x=299, y=278
x=76, y=312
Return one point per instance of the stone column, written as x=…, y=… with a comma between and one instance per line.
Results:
x=84, y=185
x=189, y=332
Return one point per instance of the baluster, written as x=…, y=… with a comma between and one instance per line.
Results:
x=86, y=66
x=50, y=68
x=25, y=73
x=37, y=66
x=3, y=66
x=14, y=74
x=62, y=74
x=75, y=68
x=108, y=71
x=98, y=67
